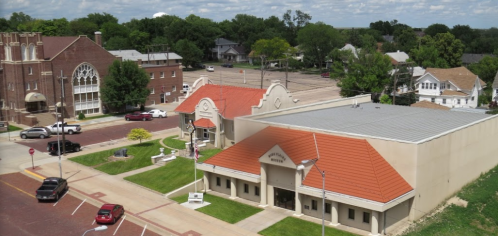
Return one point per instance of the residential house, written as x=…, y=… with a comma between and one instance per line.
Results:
x=495, y=88
x=398, y=57
x=455, y=87
x=226, y=50
x=384, y=166
x=471, y=58
x=388, y=38
x=299, y=54
x=164, y=70
x=350, y=48
x=213, y=108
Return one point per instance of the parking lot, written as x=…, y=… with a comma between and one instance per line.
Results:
x=308, y=88
x=21, y=214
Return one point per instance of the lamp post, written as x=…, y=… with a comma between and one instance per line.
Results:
x=323, y=192
x=100, y=228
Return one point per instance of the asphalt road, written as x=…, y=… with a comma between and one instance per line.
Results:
x=105, y=132
x=21, y=214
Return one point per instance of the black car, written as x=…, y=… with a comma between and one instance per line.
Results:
x=199, y=66
x=227, y=65
x=53, y=147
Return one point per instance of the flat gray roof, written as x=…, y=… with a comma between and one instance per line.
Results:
x=403, y=123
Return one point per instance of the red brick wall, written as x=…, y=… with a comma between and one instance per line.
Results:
x=164, y=85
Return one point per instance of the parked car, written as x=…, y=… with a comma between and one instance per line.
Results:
x=138, y=116
x=109, y=213
x=185, y=88
x=53, y=147
x=156, y=113
x=227, y=65
x=68, y=129
x=210, y=68
x=325, y=75
x=51, y=188
x=199, y=66
x=35, y=132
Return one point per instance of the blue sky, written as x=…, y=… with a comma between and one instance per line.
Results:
x=345, y=13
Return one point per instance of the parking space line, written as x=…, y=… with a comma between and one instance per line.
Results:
x=61, y=197
x=78, y=206
x=122, y=220
x=93, y=222
x=145, y=227
x=18, y=189
x=33, y=174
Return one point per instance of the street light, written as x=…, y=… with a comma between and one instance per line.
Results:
x=323, y=191
x=100, y=228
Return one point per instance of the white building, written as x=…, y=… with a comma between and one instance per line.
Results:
x=454, y=88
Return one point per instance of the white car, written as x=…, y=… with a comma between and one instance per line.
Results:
x=210, y=68
x=156, y=113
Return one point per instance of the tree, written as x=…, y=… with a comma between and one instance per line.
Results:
x=125, y=84
x=4, y=25
x=139, y=134
x=368, y=42
x=82, y=26
x=369, y=73
x=117, y=43
x=435, y=29
x=54, y=27
x=317, y=41
x=385, y=99
x=466, y=34
x=428, y=56
x=111, y=29
x=295, y=23
x=382, y=26
x=388, y=47
x=406, y=40
x=18, y=19
x=272, y=48
x=189, y=52
x=101, y=18
x=449, y=48
x=139, y=40
x=486, y=69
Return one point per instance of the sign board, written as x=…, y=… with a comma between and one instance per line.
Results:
x=31, y=151
x=168, y=94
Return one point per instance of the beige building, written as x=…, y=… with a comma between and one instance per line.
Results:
x=213, y=108
x=384, y=165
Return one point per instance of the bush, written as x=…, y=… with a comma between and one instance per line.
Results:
x=81, y=116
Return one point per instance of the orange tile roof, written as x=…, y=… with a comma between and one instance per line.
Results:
x=427, y=104
x=204, y=123
x=234, y=102
x=352, y=166
x=460, y=76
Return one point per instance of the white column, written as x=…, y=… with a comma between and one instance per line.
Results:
x=233, y=188
x=206, y=181
x=374, y=223
x=298, y=195
x=335, y=214
x=264, y=185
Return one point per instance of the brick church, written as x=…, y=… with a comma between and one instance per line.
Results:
x=33, y=68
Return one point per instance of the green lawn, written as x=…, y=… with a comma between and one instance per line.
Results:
x=173, y=175
x=223, y=209
x=173, y=142
x=292, y=226
x=11, y=128
x=479, y=218
x=141, y=153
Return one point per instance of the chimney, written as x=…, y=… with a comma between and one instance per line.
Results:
x=98, y=38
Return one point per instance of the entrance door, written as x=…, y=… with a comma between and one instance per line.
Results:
x=284, y=198
x=162, y=97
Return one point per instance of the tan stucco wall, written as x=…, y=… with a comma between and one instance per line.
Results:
x=222, y=188
x=358, y=219
x=394, y=217
x=276, y=97
x=249, y=196
x=281, y=177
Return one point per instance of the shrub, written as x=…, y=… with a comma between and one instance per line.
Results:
x=81, y=116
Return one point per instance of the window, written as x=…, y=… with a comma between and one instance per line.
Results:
x=458, y=101
x=32, y=52
x=157, y=62
x=205, y=134
x=433, y=99
x=314, y=205
x=8, y=53
x=162, y=74
x=444, y=100
x=23, y=52
x=173, y=73
x=187, y=120
x=173, y=88
x=472, y=99
x=430, y=85
x=350, y=214
x=9, y=86
x=466, y=101
x=423, y=85
x=30, y=70
x=152, y=91
x=327, y=208
x=496, y=91
x=151, y=75
x=256, y=190
x=228, y=183
x=246, y=188
x=35, y=87
x=443, y=86
x=218, y=181
x=435, y=86
x=27, y=86
x=366, y=217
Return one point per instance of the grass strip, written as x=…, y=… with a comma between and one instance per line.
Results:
x=291, y=226
x=175, y=143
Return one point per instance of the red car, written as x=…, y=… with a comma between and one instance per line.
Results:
x=138, y=116
x=325, y=75
x=109, y=213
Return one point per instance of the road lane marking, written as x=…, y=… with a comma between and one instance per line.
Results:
x=18, y=189
x=145, y=227
x=93, y=222
x=33, y=174
x=122, y=220
x=61, y=197
x=78, y=206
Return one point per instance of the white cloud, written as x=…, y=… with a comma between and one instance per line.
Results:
x=438, y=7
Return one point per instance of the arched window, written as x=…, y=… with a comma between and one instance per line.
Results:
x=32, y=52
x=8, y=53
x=23, y=52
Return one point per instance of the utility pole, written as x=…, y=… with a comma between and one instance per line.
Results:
x=62, y=113
x=286, y=70
x=262, y=69
x=408, y=66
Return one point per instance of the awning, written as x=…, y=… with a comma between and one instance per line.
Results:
x=59, y=104
x=204, y=123
x=35, y=97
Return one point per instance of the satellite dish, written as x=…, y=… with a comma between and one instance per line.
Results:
x=159, y=14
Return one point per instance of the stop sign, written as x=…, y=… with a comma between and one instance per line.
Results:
x=31, y=151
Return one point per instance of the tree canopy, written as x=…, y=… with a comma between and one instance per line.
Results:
x=139, y=134
x=318, y=40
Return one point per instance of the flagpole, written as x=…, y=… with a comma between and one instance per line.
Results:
x=195, y=165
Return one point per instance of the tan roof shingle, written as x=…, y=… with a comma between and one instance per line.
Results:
x=460, y=76
x=427, y=104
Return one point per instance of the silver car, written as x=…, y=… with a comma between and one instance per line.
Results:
x=35, y=132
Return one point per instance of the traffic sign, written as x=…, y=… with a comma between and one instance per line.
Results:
x=31, y=151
